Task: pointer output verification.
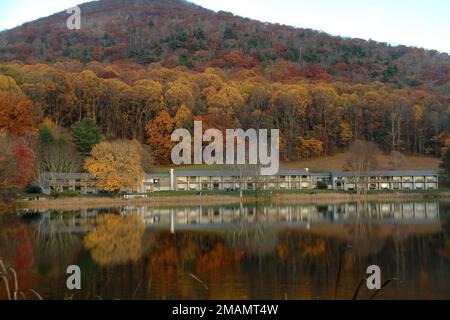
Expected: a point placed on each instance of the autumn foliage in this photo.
(17, 163)
(116, 239)
(116, 165)
(159, 136)
(170, 63)
(16, 114)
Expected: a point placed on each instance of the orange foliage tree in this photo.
(16, 114)
(159, 136)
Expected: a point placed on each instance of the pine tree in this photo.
(445, 168)
(86, 135)
(46, 135)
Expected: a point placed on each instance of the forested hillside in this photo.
(140, 68)
(174, 32)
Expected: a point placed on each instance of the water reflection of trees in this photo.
(366, 238)
(16, 248)
(16, 252)
(300, 264)
(54, 236)
(116, 239)
(296, 263)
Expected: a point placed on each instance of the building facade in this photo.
(218, 180)
(386, 180)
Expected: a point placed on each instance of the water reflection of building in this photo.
(414, 212)
(233, 217)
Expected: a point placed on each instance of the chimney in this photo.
(172, 179)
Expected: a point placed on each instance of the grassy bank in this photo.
(108, 202)
(371, 196)
(175, 198)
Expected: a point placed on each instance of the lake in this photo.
(256, 251)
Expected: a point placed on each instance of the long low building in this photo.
(228, 180)
(387, 180)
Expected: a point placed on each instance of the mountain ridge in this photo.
(180, 33)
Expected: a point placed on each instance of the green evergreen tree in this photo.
(46, 134)
(445, 168)
(85, 135)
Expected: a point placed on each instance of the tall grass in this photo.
(9, 276)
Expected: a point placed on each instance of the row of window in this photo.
(236, 179)
(393, 179)
(236, 186)
(389, 186)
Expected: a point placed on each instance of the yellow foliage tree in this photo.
(183, 118)
(345, 134)
(116, 165)
(177, 95)
(8, 84)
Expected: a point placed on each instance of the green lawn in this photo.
(271, 193)
(268, 194)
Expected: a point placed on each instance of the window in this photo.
(420, 186)
(407, 186)
(431, 186)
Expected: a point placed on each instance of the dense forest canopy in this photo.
(140, 68)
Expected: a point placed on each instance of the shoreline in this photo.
(79, 203)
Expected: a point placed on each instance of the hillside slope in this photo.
(176, 32)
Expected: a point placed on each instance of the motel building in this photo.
(224, 180)
(387, 180)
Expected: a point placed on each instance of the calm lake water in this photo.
(232, 252)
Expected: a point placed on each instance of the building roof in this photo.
(235, 173)
(66, 176)
(387, 173)
(156, 175)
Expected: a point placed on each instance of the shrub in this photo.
(33, 189)
(322, 185)
(65, 194)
